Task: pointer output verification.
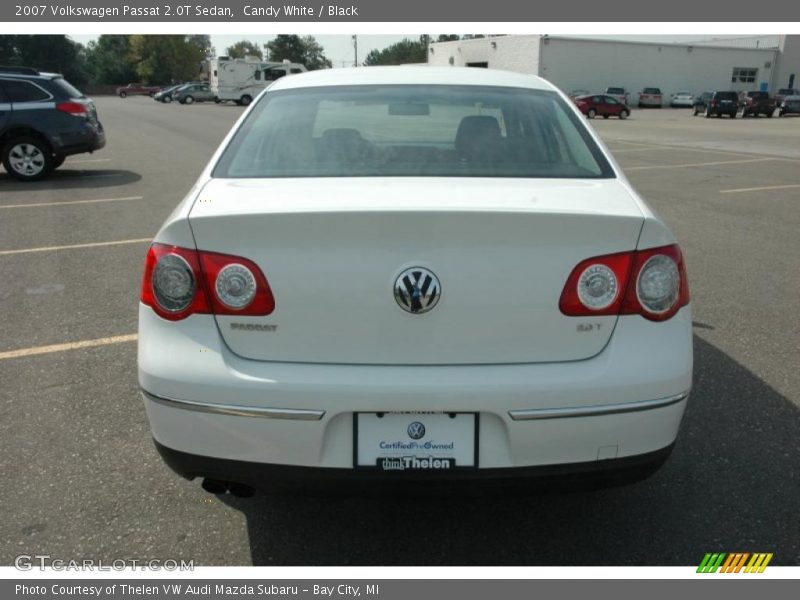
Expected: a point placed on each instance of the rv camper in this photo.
(242, 79)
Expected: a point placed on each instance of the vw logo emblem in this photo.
(417, 290)
(416, 431)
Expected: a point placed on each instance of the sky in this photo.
(339, 48)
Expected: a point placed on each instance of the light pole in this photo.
(355, 50)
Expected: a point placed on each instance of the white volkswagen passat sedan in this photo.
(413, 272)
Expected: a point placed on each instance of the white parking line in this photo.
(71, 202)
(759, 189)
(87, 160)
(648, 149)
(644, 147)
(705, 164)
(72, 246)
(117, 339)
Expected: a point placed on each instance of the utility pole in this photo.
(355, 49)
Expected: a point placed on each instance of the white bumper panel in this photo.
(187, 361)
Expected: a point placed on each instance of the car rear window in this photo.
(727, 96)
(652, 91)
(615, 90)
(758, 95)
(413, 131)
(67, 88)
(786, 91)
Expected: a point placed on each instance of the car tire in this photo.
(623, 114)
(770, 114)
(188, 100)
(708, 114)
(695, 111)
(591, 113)
(27, 158)
(245, 100)
(167, 99)
(732, 115)
(123, 95)
(605, 116)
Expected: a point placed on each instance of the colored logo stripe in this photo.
(734, 562)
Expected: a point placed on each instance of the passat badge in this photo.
(417, 290)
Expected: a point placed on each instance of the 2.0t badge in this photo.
(417, 290)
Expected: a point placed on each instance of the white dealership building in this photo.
(592, 64)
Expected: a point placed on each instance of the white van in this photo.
(242, 79)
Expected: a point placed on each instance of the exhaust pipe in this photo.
(214, 486)
(218, 488)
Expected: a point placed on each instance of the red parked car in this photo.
(601, 105)
(137, 89)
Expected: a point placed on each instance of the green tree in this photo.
(204, 43)
(160, 59)
(305, 50)
(108, 60)
(55, 53)
(242, 48)
(402, 52)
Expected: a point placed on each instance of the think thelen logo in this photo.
(734, 562)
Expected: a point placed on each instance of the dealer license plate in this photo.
(414, 441)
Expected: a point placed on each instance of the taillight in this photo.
(651, 283)
(236, 285)
(76, 109)
(179, 282)
(713, 103)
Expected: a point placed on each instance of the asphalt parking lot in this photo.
(81, 478)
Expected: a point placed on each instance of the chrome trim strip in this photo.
(594, 411)
(297, 414)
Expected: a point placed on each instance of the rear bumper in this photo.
(203, 400)
(271, 476)
(88, 138)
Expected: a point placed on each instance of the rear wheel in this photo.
(167, 99)
(245, 100)
(123, 95)
(592, 113)
(623, 114)
(605, 116)
(695, 111)
(732, 115)
(188, 100)
(27, 158)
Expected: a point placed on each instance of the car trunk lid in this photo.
(332, 250)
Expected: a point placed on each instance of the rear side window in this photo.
(64, 86)
(414, 131)
(24, 91)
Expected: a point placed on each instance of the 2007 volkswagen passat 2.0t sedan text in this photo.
(413, 272)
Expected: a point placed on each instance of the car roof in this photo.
(412, 75)
(30, 76)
